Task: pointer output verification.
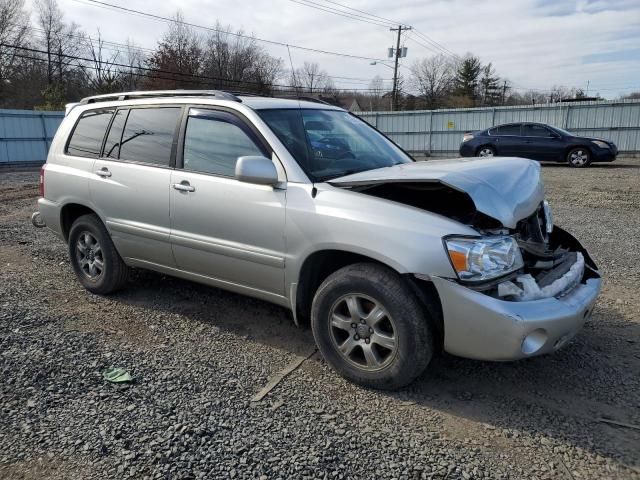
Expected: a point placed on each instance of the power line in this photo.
(154, 16)
(155, 70)
(334, 11)
(123, 49)
(375, 19)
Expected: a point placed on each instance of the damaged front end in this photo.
(554, 262)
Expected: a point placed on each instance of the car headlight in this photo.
(483, 258)
(466, 137)
(600, 143)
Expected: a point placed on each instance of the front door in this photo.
(227, 230)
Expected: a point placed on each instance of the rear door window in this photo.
(513, 129)
(535, 131)
(87, 136)
(149, 135)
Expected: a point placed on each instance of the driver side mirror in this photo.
(255, 169)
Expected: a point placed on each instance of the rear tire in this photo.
(486, 151)
(94, 257)
(579, 157)
(392, 341)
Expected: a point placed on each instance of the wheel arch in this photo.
(69, 213)
(318, 265)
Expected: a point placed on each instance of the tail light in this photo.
(42, 181)
(466, 137)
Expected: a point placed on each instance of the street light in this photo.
(380, 63)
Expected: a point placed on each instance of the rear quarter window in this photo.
(86, 138)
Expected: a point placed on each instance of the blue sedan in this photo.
(537, 141)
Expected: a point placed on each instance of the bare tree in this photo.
(233, 60)
(178, 58)
(102, 75)
(14, 30)
(309, 77)
(132, 76)
(60, 41)
(433, 78)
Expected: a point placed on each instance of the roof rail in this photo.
(306, 99)
(159, 93)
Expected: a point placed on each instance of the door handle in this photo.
(104, 172)
(184, 187)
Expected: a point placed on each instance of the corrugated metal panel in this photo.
(441, 130)
(25, 135)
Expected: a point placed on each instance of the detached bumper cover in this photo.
(485, 328)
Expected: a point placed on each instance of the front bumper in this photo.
(604, 154)
(466, 150)
(483, 327)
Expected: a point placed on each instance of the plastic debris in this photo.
(530, 290)
(116, 375)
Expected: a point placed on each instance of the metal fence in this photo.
(440, 131)
(25, 135)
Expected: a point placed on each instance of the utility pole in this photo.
(504, 92)
(394, 96)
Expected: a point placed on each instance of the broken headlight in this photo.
(483, 258)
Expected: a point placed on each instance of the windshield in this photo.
(330, 143)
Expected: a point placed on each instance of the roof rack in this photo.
(306, 99)
(159, 93)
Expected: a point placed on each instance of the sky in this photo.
(535, 44)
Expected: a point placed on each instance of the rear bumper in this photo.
(50, 215)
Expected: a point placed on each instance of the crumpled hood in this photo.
(505, 188)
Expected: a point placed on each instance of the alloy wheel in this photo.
(89, 255)
(485, 152)
(363, 332)
(579, 158)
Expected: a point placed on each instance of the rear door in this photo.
(226, 230)
(541, 143)
(131, 181)
(509, 142)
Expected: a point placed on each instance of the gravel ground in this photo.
(199, 354)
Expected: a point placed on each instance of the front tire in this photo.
(486, 151)
(579, 157)
(94, 257)
(371, 328)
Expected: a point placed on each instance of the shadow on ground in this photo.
(591, 378)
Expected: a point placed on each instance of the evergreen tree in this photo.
(467, 78)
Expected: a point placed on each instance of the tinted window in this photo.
(86, 139)
(509, 129)
(112, 145)
(212, 145)
(148, 135)
(535, 131)
(329, 143)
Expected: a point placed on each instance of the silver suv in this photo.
(305, 205)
